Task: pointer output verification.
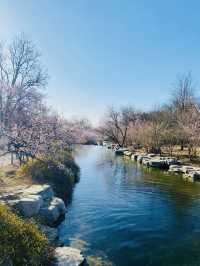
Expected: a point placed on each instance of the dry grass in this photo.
(9, 181)
(183, 155)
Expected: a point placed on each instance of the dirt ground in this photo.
(9, 181)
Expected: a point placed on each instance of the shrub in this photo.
(60, 172)
(21, 241)
(68, 161)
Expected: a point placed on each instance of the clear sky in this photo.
(108, 52)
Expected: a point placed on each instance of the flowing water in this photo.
(124, 214)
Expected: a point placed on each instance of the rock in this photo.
(192, 175)
(45, 191)
(157, 163)
(53, 212)
(28, 206)
(59, 203)
(146, 162)
(13, 194)
(67, 256)
(128, 153)
(186, 169)
(134, 157)
(176, 168)
(151, 155)
(38, 201)
(140, 158)
(171, 160)
(50, 233)
(120, 151)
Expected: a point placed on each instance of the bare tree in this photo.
(183, 102)
(21, 76)
(116, 124)
(20, 65)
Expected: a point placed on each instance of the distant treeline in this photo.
(175, 123)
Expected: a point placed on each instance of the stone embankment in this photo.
(40, 203)
(171, 164)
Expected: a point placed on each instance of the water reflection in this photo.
(126, 214)
(128, 172)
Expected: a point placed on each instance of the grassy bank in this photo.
(21, 241)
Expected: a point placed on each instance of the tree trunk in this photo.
(11, 159)
(182, 146)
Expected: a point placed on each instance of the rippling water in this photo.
(124, 214)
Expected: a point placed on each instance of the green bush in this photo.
(61, 172)
(21, 241)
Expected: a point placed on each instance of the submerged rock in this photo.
(67, 256)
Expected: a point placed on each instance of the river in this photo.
(124, 214)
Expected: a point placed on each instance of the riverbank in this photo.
(129, 214)
(190, 171)
(35, 198)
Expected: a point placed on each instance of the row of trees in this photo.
(176, 123)
(29, 128)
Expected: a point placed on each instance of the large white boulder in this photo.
(28, 206)
(171, 160)
(45, 191)
(176, 168)
(146, 162)
(128, 153)
(59, 203)
(134, 157)
(52, 213)
(187, 169)
(67, 256)
(157, 163)
(39, 201)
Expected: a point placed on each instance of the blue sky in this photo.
(108, 52)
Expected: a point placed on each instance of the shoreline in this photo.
(38, 202)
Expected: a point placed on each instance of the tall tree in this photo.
(183, 102)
